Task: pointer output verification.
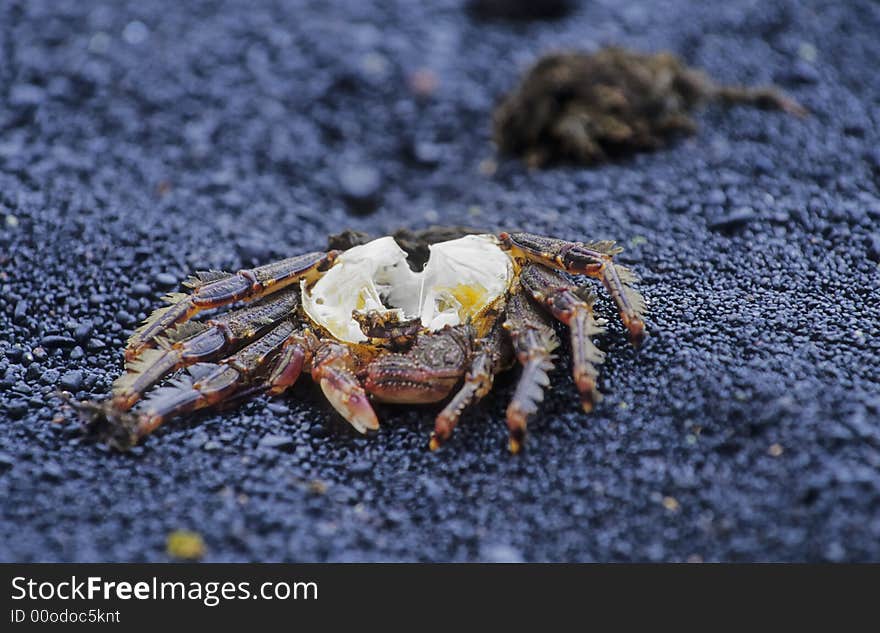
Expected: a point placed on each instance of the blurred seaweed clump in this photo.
(589, 108)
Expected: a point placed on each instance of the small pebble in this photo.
(72, 380)
(360, 467)
(22, 387)
(166, 280)
(716, 196)
(19, 315)
(280, 442)
(141, 290)
(54, 341)
(83, 330)
(50, 376)
(278, 408)
(735, 219)
(135, 32)
(26, 95)
(52, 472)
(360, 186)
(427, 153)
(318, 430)
(16, 409)
(125, 318)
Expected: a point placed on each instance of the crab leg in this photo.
(492, 355)
(593, 259)
(533, 343)
(292, 360)
(194, 342)
(295, 357)
(209, 385)
(334, 368)
(213, 289)
(557, 294)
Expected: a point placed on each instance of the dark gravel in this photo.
(141, 140)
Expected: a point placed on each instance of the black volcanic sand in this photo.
(142, 140)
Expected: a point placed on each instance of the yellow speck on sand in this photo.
(185, 545)
(318, 487)
(775, 450)
(670, 503)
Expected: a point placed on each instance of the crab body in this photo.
(368, 327)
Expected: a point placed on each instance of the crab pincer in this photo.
(334, 368)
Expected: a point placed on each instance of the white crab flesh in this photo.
(461, 278)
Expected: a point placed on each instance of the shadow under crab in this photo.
(417, 318)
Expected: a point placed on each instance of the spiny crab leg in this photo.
(194, 342)
(215, 383)
(557, 294)
(492, 354)
(213, 289)
(295, 357)
(335, 368)
(593, 259)
(533, 343)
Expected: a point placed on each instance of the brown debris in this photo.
(589, 108)
(347, 239)
(416, 243)
(520, 10)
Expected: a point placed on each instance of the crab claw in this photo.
(333, 371)
(349, 399)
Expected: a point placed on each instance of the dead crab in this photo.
(366, 325)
